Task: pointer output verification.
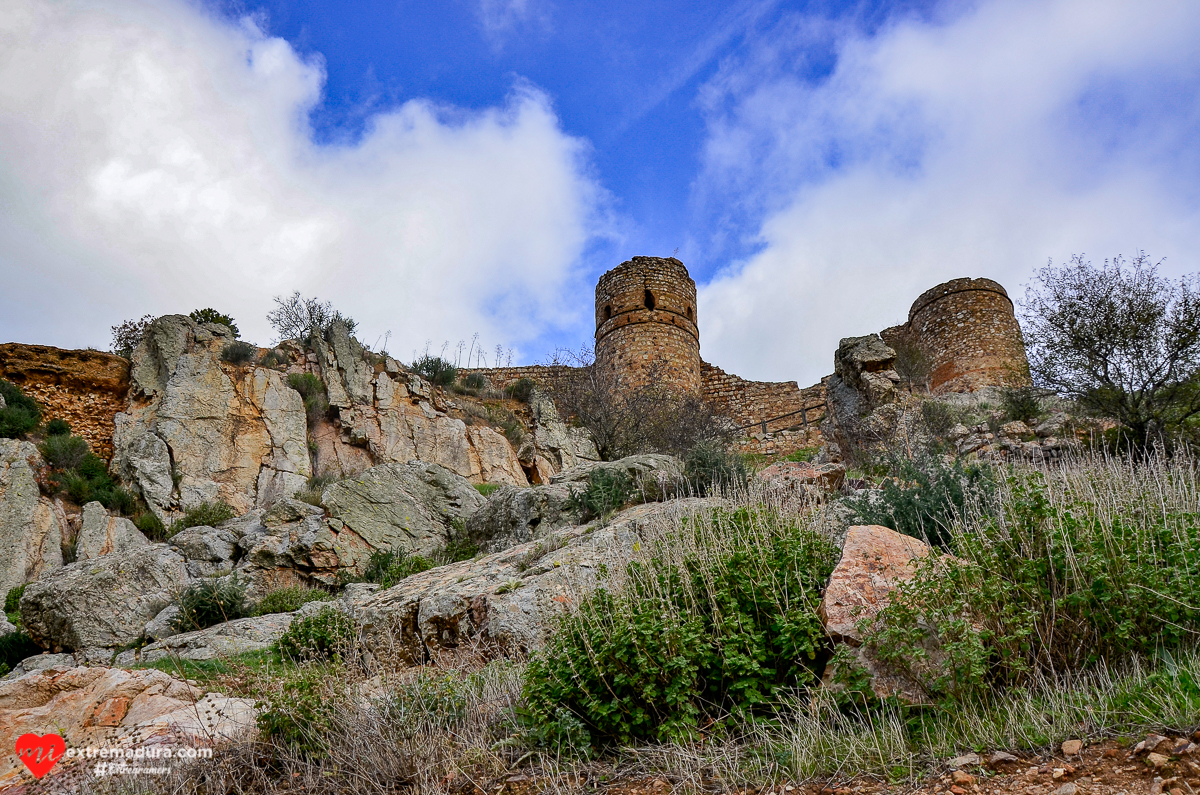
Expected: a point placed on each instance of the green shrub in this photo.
(213, 316)
(923, 497)
(1065, 576)
(436, 370)
(58, 427)
(16, 646)
(521, 389)
(287, 600)
(487, 489)
(151, 526)
(272, 358)
(238, 352)
(607, 490)
(206, 514)
(21, 413)
(320, 636)
(718, 637)
(208, 603)
(388, 567)
(12, 601)
(300, 713)
(939, 417)
(803, 455)
(514, 429)
(459, 545)
(64, 452)
(312, 390)
(709, 466)
(473, 382)
(1021, 403)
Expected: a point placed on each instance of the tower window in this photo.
(689, 315)
(649, 300)
(607, 313)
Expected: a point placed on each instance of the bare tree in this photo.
(128, 335)
(297, 317)
(1119, 339)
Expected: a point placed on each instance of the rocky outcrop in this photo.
(291, 543)
(104, 602)
(793, 475)
(864, 408)
(506, 602)
(514, 516)
(211, 430)
(875, 560)
(656, 466)
(31, 526)
(101, 534)
(209, 551)
(383, 414)
(222, 641)
(552, 445)
(408, 507)
(115, 709)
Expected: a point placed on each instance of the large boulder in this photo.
(212, 431)
(209, 551)
(552, 445)
(410, 507)
(875, 561)
(221, 641)
(658, 466)
(142, 711)
(101, 534)
(515, 515)
(292, 543)
(31, 527)
(103, 602)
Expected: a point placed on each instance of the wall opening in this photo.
(690, 316)
(607, 314)
(649, 300)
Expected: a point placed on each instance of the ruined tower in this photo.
(967, 329)
(646, 330)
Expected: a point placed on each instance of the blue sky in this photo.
(441, 170)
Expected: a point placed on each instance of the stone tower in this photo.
(646, 328)
(968, 330)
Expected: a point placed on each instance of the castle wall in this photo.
(751, 403)
(500, 377)
(646, 332)
(970, 333)
(85, 388)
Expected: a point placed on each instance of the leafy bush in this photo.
(272, 358)
(12, 601)
(1067, 574)
(16, 646)
(21, 413)
(521, 389)
(323, 635)
(58, 427)
(64, 452)
(128, 335)
(473, 382)
(208, 603)
(286, 600)
(206, 514)
(607, 490)
(720, 635)
(939, 417)
(923, 497)
(213, 316)
(238, 352)
(299, 714)
(1021, 403)
(312, 390)
(151, 526)
(388, 567)
(709, 466)
(435, 369)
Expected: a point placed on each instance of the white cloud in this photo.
(157, 159)
(978, 145)
(502, 19)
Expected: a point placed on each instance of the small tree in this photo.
(128, 335)
(297, 317)
(1119, 339)
(213, 316)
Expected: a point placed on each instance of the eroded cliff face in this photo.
(198, 430)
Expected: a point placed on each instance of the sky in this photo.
(464, 170)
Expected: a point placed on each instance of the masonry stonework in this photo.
(646, 330)
(969, 333)
(85, 388)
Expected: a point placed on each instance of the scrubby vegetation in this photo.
(128, 335)
(606, 491)
(206, 514)
(238, 352)
(388, 567)
(286, 600)
(323, 635)
(312, 390)
(82, 475)
(298, 318)
(213, 316)
(21, 413)
(435, 369)
(210, 602)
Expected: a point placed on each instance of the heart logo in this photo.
(40, 752)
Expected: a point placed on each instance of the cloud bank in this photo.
(980, 143)
(158, 159)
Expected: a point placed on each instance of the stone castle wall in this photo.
(781, 405)
(646, 330)
(969, 332)
(85, 388)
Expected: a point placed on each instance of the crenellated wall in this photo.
(85, 388)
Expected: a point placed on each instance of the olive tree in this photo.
(1118, 338)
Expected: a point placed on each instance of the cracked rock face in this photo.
(31, 526)
(198, 430)
(102, 534)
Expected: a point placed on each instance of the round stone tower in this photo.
(646, 332)
(968, 330)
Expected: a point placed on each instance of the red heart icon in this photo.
(40, 753)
